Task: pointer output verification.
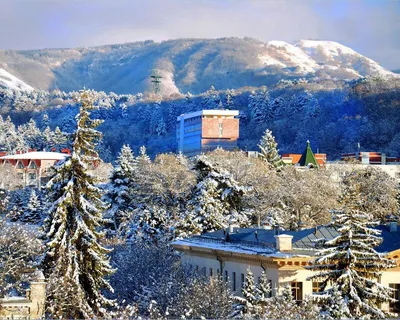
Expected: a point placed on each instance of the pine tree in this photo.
(351, 262)
(216, 202)
(121, 182)
(269, 151)
(33, 210)
(249, 294)
(264, 289)
(259, 105)
(60, 139)
(17, 206)
(45, 122)
(75, 262)
(143, 158)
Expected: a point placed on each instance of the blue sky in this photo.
(371, 27)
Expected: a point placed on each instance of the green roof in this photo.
(308, 157)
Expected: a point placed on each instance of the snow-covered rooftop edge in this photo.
(37, 155)
(237, 248)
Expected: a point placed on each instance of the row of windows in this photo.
(297, 287)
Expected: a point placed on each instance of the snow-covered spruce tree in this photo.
(269, 151)
(121, 181)
(263, 290)
(216, 202)
(143, 158)
(249, 301)
(33, 210)
(75, 262)
(351, 262)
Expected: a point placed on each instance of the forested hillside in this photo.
(334, 117)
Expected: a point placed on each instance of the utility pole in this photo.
(156, 81)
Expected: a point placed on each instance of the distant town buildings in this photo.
(206, 130)
(307, 158)
(33, 168)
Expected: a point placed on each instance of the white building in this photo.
(282, 256)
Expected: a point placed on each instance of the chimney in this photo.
(383, 158)
(393, 226)
(283, 242)
(230, 228)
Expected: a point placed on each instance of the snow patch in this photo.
(7, 80)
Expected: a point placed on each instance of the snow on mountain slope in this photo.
(186, 65)
(7, 80)
(327, 58)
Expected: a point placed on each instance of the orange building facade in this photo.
(206, 130)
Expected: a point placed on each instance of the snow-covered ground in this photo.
(7, 80)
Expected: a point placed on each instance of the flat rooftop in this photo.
(226, 113)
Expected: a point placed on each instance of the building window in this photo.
(316, 287)
(234, 281)
(218, 273)
(242, 280)
(211, 272)
(297, 291)
(32, 165)
(220, 129)
(226, 276)
(20, 165)
(21, 175)
(32, 176)
(395, 306)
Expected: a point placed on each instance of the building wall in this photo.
(203, 133)
(280, 276)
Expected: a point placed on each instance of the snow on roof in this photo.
(235, 248)
(36, 155)
(228, 113)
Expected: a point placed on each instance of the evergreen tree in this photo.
(48, 139)
(216, 202)
(269, 151)
(351, 262)
(264, 289)
(143, 158)
(121, 182)
(33, 210)
(60, 139)
(17, 206)
(258, 105)
(75, 262)
(211, 99)
(31, 135)
(45, 122)
(249, 293)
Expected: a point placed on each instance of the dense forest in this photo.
(334, 116)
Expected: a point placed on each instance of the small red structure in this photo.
(370, 158)
(294, 158)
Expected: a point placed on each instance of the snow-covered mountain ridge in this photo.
(7, 80)
(188, 64)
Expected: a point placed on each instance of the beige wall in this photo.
(280, 276)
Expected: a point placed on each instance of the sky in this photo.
(371, 27)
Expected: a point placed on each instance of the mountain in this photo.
(188, 65)
(7, 80)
